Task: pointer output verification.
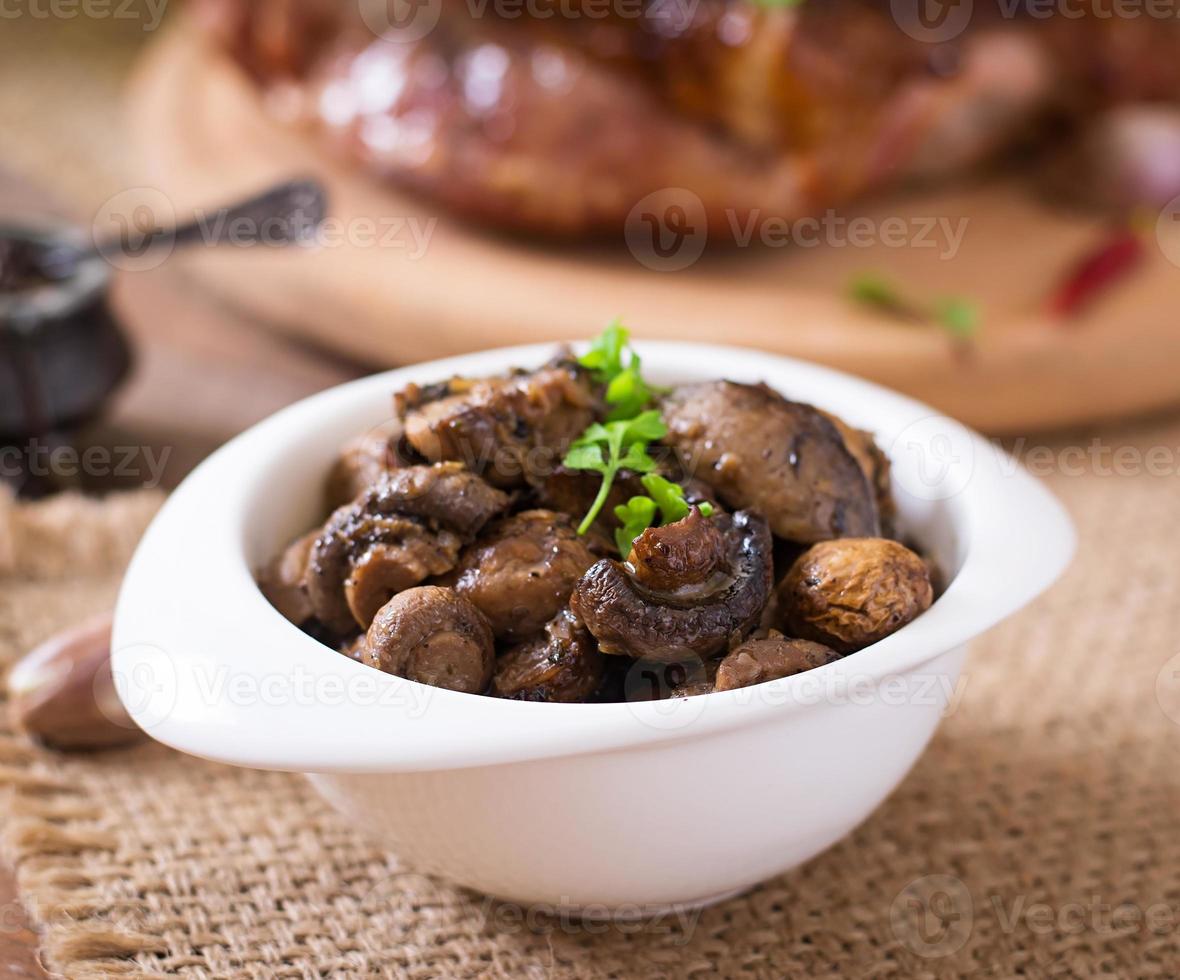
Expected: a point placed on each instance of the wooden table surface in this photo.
(202, 374)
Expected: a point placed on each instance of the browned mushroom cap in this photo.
(408, 526)
(783, 459)
(284, 580)
(363, 460)
(512, 429)
(698, 619)
(853, 592)
(768, 659)
(521, 572)
(433, 636)
(875, 466)
(562, 664)
(688, 552)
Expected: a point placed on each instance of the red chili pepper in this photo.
(1096, 272)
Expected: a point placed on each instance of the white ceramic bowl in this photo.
(620, 806)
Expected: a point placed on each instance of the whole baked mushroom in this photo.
(431, 635)
(563, 664)
(768, 659)
(658, 606)
(409, 526)
(784, 459)
(521, 572)
(853, 592)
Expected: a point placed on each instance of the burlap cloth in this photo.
(1039, 830)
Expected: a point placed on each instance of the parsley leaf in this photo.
(635, 517)
(608, 448)
(626, 391)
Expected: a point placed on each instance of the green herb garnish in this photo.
(613, 363)
(613, 446)
(621, 442)
(635, 517)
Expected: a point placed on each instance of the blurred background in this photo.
(973, 203)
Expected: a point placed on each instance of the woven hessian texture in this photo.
(1039, 832)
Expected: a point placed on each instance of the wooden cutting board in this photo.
(202, 137)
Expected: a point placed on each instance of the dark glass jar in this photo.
(62, 353)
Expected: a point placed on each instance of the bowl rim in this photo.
(181, 624)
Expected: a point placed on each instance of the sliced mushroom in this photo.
(697, 619)
(562, 664)
(784, 459)
(853, 592)
(431, 635)
(408, 526)
(284, 580)
(770, 658)
(403, 553)
(521, 572)
(514, 430)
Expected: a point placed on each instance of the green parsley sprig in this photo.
(613, 446)
(612, 363)
(621, 442)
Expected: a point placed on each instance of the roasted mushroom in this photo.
(714, 605)
(853, 592)
(514, 430)
(521, 572)
(784, 459)
(431, 635)
(364, 460)
(770, 658)
(284, 580)
(875, 466)
(562, 664)
(410, 525)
